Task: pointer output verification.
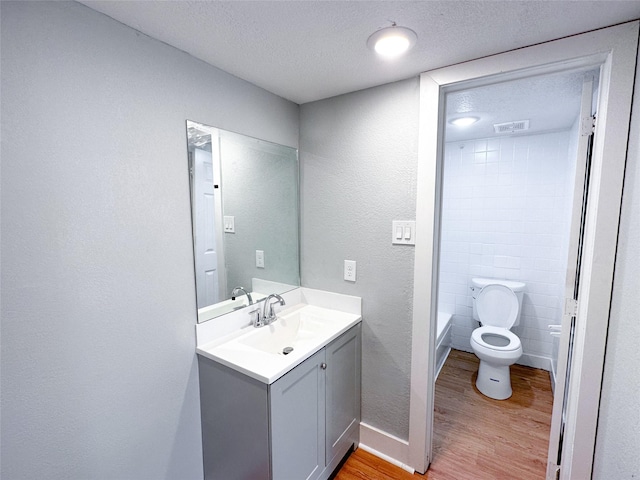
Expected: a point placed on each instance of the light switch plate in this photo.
(229, 224)
(403, 232)
(260, 258)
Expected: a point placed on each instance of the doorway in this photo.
(511, 160)
(614, 50)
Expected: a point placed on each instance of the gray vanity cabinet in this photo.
(297, 421)
(299, 427)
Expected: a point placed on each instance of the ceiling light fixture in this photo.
(463, 121)
(393, 41)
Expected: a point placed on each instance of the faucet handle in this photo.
(257, 320)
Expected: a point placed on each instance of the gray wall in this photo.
(98, 305)
(99, 378)
(358, 156)
(618, 435)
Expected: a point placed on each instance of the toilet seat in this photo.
(513, 340)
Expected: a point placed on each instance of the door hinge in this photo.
(588, 126)
(570, 307)
(553, 471)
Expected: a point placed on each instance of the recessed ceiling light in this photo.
(393, 41)
(464, 121)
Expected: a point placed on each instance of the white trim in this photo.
(527, 359)
(617, 47)
(387, 458)
(600, 242)
(570, 304)
(375, 441)
(535, 361)
(424, 327)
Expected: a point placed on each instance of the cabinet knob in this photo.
(323, 366)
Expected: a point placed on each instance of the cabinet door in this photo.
(343, 393)
(297, 421)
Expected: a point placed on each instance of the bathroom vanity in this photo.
(270, 415)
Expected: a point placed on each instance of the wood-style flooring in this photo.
(476, 437)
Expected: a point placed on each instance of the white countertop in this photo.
(257, 352)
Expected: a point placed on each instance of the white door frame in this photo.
(615, 48)
(564, 352)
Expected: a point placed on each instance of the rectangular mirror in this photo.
(244, 213)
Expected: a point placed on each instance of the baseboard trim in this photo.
(385, 446)
(553, 376)
(527, 359)
(535, 361)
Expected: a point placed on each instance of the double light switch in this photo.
(403, 232)
(229, 224)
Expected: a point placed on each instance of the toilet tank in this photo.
(518, 288)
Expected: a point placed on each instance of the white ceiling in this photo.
(550, 102)
(310, 50)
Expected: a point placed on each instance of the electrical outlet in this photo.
(350, 270)
(260, 258)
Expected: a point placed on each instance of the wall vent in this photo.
(511, 127)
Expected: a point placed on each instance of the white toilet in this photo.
(496, 305)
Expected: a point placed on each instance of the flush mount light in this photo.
(393, 41)
(463, 121)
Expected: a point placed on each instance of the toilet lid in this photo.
(497, 306)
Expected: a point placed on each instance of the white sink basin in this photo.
(274, 338)
(259, 352)
(288, 331)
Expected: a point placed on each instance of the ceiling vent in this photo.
(511, 127)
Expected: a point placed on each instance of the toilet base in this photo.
(494, 381)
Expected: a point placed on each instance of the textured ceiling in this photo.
(549, 102)
(309, 50)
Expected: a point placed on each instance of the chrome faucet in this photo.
(268, 315)
(241, 289)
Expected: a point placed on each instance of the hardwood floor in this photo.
(362, 465)
(476, 437)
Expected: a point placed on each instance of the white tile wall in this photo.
(506, 207)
